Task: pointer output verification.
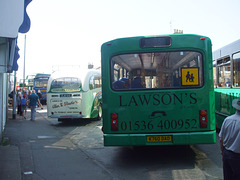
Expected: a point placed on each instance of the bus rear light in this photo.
(202, 38)
(52, 113)
(80, 112)
(203, 118)
(114, 122)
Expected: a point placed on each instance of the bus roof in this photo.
(39, 75)
(130, 44)
(227, 50)
(82, 75)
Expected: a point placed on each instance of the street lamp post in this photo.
(24, 61)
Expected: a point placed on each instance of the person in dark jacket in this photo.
(19, 97)
(39, 95)
(33, 102)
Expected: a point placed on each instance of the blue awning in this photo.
(16, 57)
(24, 28)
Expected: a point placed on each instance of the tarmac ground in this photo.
(35, 150)
(9, 153)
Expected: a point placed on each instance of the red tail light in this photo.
(203, 118)
(114, 122)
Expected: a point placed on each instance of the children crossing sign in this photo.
(190, 77)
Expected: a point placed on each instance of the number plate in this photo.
(159, 138)
(65, 95)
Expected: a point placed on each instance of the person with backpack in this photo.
(24, 106)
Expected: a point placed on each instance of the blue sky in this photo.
(71, 32)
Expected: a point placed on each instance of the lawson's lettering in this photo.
(158, 99)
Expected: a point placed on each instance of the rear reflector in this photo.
(114, 122)
(203, 118)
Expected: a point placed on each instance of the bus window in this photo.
(66, 84)
(156, 70)
(41, 84)
(236, 69)
(224, 72)
(95, 82)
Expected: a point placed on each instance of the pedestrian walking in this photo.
(33, 102)
(39, 95)
(19, 97)
(28, 94)
(24, 106)
(230, 144)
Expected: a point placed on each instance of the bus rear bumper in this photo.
(66, 116)
(208, 137)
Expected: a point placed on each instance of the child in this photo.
(24, 106)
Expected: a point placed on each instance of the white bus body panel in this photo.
(79, 105)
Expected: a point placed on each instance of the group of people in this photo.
(31, 100)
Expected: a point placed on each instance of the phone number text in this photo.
(160, 125)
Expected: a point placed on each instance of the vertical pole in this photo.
(14, 97)
(24, 61)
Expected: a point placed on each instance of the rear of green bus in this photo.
(158, 91)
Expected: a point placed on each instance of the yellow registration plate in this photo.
(159, 138)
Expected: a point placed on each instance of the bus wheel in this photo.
(99, 112)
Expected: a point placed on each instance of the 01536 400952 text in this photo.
(180, 124)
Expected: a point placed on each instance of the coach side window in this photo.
(95, 82)
(224, 72)
(236, 70)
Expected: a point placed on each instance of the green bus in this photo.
(226, 68)
(158, 90)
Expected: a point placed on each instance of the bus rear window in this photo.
(68, 84)
(158, 70)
